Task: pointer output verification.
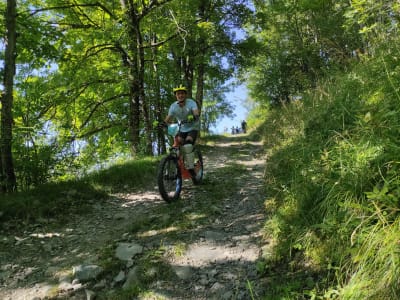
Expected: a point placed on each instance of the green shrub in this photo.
(332, 172)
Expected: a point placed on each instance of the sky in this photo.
(237, 97)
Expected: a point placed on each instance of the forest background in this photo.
(84, 82)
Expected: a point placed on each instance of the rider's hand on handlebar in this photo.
(190, 118)
(160, 125)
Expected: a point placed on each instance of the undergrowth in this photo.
(59, 199)
(333, 184)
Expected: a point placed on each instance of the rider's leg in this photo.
(191, 137)
(188, 149)
(180, 139)
(188, 154)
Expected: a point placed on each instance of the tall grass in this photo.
(332, 173)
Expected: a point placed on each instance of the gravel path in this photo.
(213, 257)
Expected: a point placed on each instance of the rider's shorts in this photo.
(192, 133)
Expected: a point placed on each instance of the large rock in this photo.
(183, 272)
(132, 278)
(126, 251)
(85, 273)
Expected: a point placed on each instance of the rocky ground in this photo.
(206, 246)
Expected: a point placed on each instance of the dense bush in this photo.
(332, 175)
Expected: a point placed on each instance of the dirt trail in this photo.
(214, 256)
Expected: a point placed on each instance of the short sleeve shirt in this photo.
(182, 113)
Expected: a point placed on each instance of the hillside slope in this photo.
(205, 246)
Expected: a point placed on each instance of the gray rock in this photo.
(66, 286)
(90, 295)
(183, 272)
(227, 295)
(129, 264)
(217, 288)
(85, 273)
(120, 277)
(212, 273)
(132, 278)
(125, 251)
(203, 281)
(100, 285)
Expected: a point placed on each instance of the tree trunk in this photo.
(8, 179)
(200, 86)
(134, 14)
(132, 20)
(145, 105)
(2, 178)
(134, 103)
(134, 114)
(159, 111)
(188, 69)
(204, 5)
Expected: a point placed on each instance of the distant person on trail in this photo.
(185, 110)
(244, 126)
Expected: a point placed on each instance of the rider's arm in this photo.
(193, 115)
(168, 119)
(196, 113)
(195, 109)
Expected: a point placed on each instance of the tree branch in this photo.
(154, 3)
(97, 105)
(161, 42)
(99, 48)
(96, 4)
(97, 129)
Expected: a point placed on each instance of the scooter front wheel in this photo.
(169, 179)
